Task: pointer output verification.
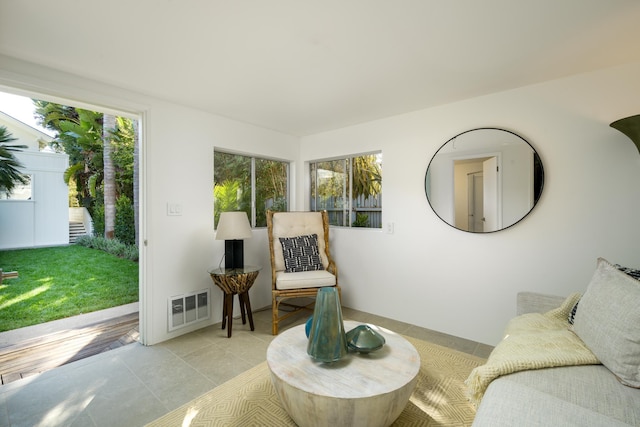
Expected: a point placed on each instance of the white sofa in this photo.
(586, 395)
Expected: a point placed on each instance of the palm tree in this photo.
(103, 159)
(9, 172)
(79, 135)
(367, 176)
(109, 179)
(136, 185)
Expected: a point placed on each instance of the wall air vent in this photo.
(189, 308)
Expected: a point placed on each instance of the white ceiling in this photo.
(306, 66)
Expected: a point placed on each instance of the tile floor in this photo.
(133, 385)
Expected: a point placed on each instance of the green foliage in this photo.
(124, 226)
(98, 219)
(92, 183)
(362, 220)
(49, 115)
(225, 198)
(367, 176)
(9, 165)
(332, 184)
(80, 136)
(122, 155)
(71, 172)
(232, 184)
(111, 246)
(271, 188)
(58, 282)
(125, 222)
(79, 133)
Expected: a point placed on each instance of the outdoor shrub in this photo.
(124, 227)
(131, 252)
(84, 240)
(98, 220)
(362, 220)
(125, 230)
(112, 246)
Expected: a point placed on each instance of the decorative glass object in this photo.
(307, 326)
(327, 338)
(364, 339)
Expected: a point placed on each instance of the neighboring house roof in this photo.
(25, 134)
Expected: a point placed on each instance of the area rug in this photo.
(249, 399)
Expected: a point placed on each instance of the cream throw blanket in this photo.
(532, 341)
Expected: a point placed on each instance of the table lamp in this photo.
(232, 228)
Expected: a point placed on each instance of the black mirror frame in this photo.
(538, 178)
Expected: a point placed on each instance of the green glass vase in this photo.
(327, 338)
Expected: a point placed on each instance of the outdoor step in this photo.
(76, 229)
(39, 354)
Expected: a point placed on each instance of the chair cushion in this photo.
(292, 224)
(301, 253)
(304, 279)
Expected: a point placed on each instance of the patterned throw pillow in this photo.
(633, 272)
(301, 253)
(572, 315)
(629, 271)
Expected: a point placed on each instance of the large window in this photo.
(20, 191)
(249, 184)
(350, 189)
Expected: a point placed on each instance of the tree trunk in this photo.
(108, 125)
(136, 179)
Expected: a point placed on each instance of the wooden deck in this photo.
(36, 355)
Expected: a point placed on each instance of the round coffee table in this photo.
(360, 389)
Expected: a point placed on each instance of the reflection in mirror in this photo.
(484, 180)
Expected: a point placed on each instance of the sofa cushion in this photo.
(567, 396)
(608, 321)
(304, 279)
(301, 253)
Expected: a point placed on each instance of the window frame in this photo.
(253, 178)
(348, 209)
(6, 195)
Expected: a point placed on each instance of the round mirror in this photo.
(484, 180)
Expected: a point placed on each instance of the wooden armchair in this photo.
(308, 276)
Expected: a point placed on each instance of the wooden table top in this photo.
(354, 376)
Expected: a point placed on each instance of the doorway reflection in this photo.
(484, 180)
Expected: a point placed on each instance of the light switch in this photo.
(174, 209)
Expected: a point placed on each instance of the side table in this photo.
(235, 281)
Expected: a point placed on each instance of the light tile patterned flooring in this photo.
(133, 385)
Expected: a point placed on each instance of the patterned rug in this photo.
(249, 399)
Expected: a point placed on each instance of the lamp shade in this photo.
(630, 126)
(233, 226)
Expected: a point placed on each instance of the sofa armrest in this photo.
(533, 302)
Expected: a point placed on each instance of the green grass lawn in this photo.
(58, 282)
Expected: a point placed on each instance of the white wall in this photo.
(176, 167)
(426, 272)
(43, 220)
(465, 284)
(179, 146)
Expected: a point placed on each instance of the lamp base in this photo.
(233, 254)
